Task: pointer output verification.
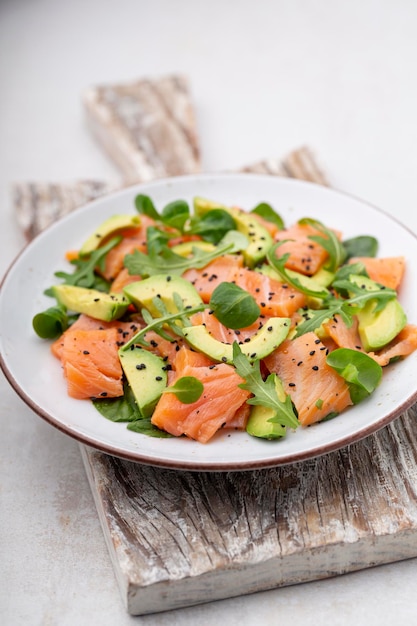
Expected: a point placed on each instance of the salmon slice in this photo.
(343, 336)
(315, 388)
(221, 332)
(221, 270)
(404, 344)
(219, 406)
(274, 298)
(133, 239)
(123, 279)
(164, 348)
(305, 255)
(91, 364)
(388, 271)
(125, 330)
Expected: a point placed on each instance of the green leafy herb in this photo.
(360, 371)
(187, 389)
(329, 242)
(267, 212)
(156, 241)
(213, 225)
(278, 263)
(85, 273)
(145, 206)
(364, 245)
(233, 306)
(123, 409)
(145, 427)
(166, 319)
(176, 214)
(264, 392)
(346, 308)
(51, 323)
(361, 296)
(168, 262)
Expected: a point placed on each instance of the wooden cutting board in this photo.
(178, 539)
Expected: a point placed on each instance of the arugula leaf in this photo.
(168, 262)
(156, 241)
(264, 392)
(329, 242)
(233, 306)
(346, 308)
(187, 389)
(381, 295)
(85, 273)
(167, 319)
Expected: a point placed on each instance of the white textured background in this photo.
(267, 76)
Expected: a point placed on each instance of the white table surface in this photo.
(266, 77)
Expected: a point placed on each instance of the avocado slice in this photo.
(101, 306)
(258, 424)
(185, 249)
(162, 286)
(246, 223)
(377, 329)
(147, 376)
(108, 228)
(262, 343)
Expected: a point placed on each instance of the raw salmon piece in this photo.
(123, 279)
(343, 336)
(221, 332)
(306, 256)
(315, 388)
(220, 270)
(162, 347)
(388, 271)
(91, 364)
(216, 407)
(404, 344)
(274, 298)
(133, 239)
(125, 330)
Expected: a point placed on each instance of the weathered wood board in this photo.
(147, 127)
(183, 538)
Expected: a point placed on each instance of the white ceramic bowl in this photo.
(37, 377)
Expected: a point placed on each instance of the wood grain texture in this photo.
(147, 127)
(300, 163)
(182, 538)
(40, 204)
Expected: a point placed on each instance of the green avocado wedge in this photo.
(97, 304)
(107, 229)
(146, 374)
(262, 343)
